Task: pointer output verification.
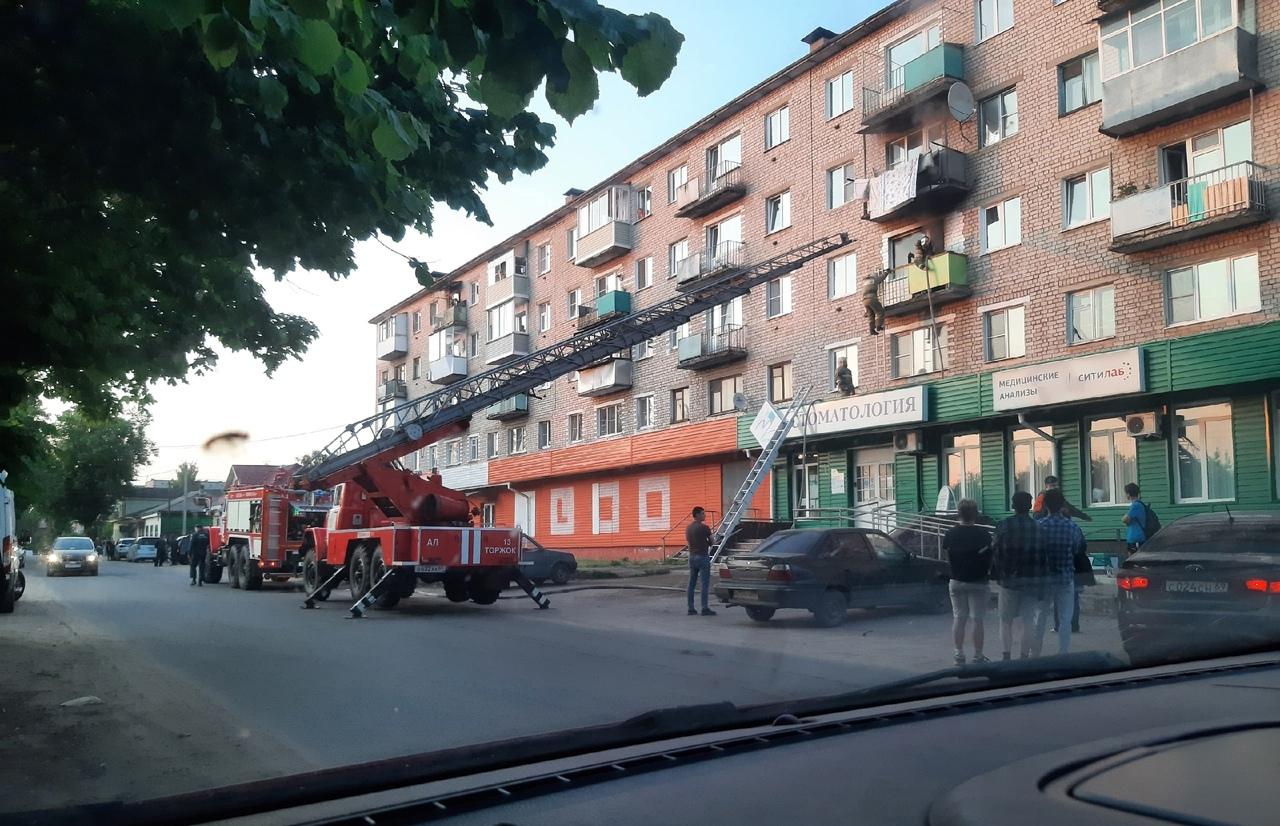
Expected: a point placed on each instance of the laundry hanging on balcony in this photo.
(893, 188)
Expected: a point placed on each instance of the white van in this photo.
(10, 554)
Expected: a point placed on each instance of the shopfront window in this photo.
(1206, 453)
(964, 467)
(1033, 459)
(1113, 461)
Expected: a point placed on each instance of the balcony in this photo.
(610, 305)
(604, 244)
(914, 90)
(394, 342)
(392, 390)
(505, 348)
(696, 198)
(1223, 199)
(610, 377)
(447, 369)
(722, 345)
(515, 407)
(911, 289)
(941, 180)
(1203, 76)
(455, 315)
(512, 287)
(727, 256)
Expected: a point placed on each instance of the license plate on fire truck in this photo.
(428, 569)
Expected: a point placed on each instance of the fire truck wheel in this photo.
(390, 597)
(358, 573)
(232, 555)
(250, 573)
(455, 588)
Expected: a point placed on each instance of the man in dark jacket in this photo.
(698, 537)
(199, 550)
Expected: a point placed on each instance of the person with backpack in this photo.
(1140, 521)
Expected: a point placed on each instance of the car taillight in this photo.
(1133, 583)
(780, 573)
(725, 573)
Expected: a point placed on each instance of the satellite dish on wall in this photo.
(740, 402)
(960, 101)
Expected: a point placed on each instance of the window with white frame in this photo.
(574, 302)
(1086, 197)
(544, 316)
(847, 352)
(838, 189)
(676, 178)
(544, 258)
(644, 201)
(778, 297)
(544, 434)
(720, 393)
(609, 420)
(644, 412)
(1213, 289)
(676, 253)
(777, 127)
(644, 273)
(1113, 461)
(1005, 333)
(917, 352)
(781, 382)
(491, 445)
(994, 16)
(839, 95)
(998, 117)
(473, 448)
(963, 457)
(1079, 83)
(515, 440)
(1001, 224)
(679, 405)
(777, 212)
(642, 350)
(842, 276)
(1033, 459)
(1206, 453)
(1091, 314)
(1156, 29)
(574, 427)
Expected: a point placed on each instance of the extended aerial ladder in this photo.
(372, 490)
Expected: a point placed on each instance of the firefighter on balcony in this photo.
(871, 301)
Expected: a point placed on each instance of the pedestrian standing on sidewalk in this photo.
(968, 549)
(1135, 519)
(698, 537)
(1018, 565)
(1062, 539)
(199, 550)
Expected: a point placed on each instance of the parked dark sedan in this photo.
(72, 555)
(1209, 582)
(556, 566)
(829, 571)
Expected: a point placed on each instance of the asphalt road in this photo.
(207, 686)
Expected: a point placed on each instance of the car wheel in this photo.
(831, 610)
(760, 613)
(560, 573)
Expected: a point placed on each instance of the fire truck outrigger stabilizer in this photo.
(390, 528)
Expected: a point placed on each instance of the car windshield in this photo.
(827, 344)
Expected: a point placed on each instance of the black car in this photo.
(829, 571)
(556, 566)
(1208, 582)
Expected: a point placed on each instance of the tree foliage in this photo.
(156, 151)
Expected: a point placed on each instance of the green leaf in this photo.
(391, 140)
(648, 63)
(274, 96)
(351, 73)
(579, 93)
(317, 46)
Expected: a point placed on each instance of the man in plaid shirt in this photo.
(1018, 565)
(1061, 539)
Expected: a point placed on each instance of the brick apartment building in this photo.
(1103, 263)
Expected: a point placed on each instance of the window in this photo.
(1206, 455)
(1005, 333)
(571, 243)
(1078, 83)
(473, 448)
(574, 428)
(544, 316)
(998, 117)
(1153, 31)
(842, 278)
(515, 440)
(1113, 461)
(644, 202)
(911, 145)
(918, 352)
(963, 455)
(491, 445)
(848, 352)
(778, 297)
(544, 258)
(417, 368)
(644, 412)
(1086, 197)
(609, 420)
(673, 337)
(1091, 314)
(1033, 459)
(838, 185)
(1001, 224)
(720, 393)
(1213, 289)
(839, 95)
(489, 514)
(994, 16)
(777, 212)
(676, 178)
(680, 405)
(644, 273)
(575, 300)
(777, 127)
(676, 253)
(781, 385)
(544, 434)
(417, 321)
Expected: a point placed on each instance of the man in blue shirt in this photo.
(1061, 539)
(1135, 519)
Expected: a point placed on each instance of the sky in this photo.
(730, 45)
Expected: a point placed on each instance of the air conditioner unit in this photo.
(1142, 424)
(908, 441)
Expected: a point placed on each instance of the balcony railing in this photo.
(604, 244)
(513, 408)
(941, 179)
(447, 369)
(924, 80)
(393, 389)
(721, 187)
(910, 289)
(610, 305)
(455, 315)
(1210, 202)
(714, 260)
(505, 348)
(720, 345)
